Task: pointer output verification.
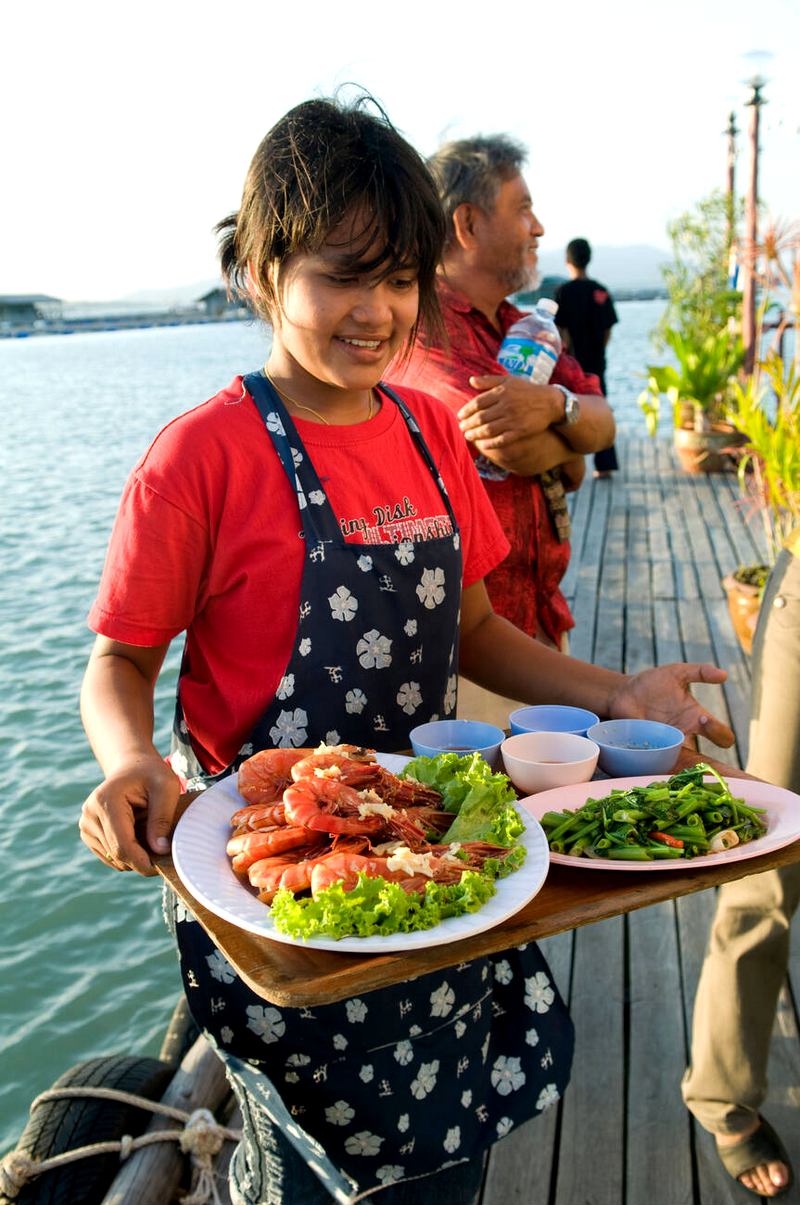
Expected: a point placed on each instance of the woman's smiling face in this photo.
(340, 326)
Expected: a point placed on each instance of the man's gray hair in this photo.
(471, 170)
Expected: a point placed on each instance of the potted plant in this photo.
(766, 410)
(698, 387)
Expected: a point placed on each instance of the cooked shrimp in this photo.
(248, 847)
(265, 875)
(295, 876)
(264, 776)
(476, 853)
(259, 815)
(345, 869)
(328, 806)
(260, 869)
(405, 792)
(343, 767)
(412, 825)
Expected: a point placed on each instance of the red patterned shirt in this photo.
(525, 587)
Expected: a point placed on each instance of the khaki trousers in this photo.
(748, 952)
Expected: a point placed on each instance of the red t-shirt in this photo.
(207, 540)
(525, 587)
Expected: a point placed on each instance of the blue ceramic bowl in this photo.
(552, 719)
(629, 748)
(457, 736)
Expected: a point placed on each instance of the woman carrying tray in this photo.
(322, 539)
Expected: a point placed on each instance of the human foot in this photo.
(756, 1157)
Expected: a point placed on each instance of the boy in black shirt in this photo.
(585, 317)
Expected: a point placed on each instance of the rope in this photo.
(201, 1138)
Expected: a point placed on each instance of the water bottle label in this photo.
(524, 357)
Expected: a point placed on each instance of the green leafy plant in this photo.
(699, 383)
(766, 410)
(700, 298)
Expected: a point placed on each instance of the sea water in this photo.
(88, 968)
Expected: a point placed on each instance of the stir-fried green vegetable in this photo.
(682, 817)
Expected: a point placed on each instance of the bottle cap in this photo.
(548, 305)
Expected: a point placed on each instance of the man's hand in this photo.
(145, 789)
(507, 409)
(663, 694)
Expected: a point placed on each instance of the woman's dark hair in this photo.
(323, 162)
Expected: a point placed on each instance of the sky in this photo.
(127, 128)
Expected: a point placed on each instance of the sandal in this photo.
(762, 1146)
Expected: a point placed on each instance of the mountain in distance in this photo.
(637, 266)
(620, 268)
(176, 296)
(630, 267)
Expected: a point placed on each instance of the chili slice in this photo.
(667, 839)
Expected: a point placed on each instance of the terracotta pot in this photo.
(706, 451)
(744, 602)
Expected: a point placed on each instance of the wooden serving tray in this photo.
(294, 976)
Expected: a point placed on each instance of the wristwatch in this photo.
(572, 407)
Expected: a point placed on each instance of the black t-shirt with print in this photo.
(586, 310)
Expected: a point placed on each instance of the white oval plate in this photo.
(198, 852)
(783, 821)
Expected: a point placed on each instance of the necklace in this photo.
(301, 406)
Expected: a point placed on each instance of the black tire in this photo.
(56, 1126)
(181, 1035)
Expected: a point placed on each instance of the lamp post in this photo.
(730, 192)
(756, 100)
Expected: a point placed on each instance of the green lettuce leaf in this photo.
(376, 906)
(482, 800)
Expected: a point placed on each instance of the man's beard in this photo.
(520, 278)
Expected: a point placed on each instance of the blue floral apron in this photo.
(344, 1099)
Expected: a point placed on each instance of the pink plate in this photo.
(782, 815)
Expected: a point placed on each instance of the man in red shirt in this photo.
(529, 440)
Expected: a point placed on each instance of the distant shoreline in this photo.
(143, 321)
(120, 322)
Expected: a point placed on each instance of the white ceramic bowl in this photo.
(539, 761)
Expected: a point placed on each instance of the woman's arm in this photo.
(501, 658)
(117, 713)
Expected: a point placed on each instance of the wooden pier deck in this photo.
(650, 546)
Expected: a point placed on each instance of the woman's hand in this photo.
(663, 694)
(146, 789)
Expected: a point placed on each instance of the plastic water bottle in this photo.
(532, 345)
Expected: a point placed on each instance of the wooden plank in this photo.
(658, 1156)
(584, 607)
(694, 914)
(686, 582)
(698, 647)
(728, 654)
(742, 526)
(722, 538)
(667, 632)
(700, 546)
(591, 1168)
